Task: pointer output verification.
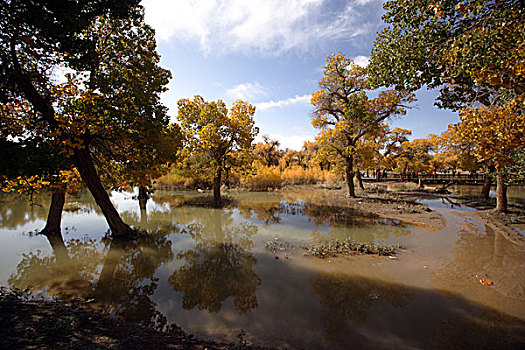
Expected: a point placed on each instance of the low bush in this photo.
(263, 179)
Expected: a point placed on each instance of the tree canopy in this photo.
(212, 135)
(344, 114)
(108, 112)
(473, 52)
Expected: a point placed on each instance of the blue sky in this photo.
(270, 52)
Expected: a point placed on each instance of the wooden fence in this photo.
(437, 178)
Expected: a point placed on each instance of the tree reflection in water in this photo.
(126, 282)
(219, 266)
(346, 301)
(20, 210)
(124, 285)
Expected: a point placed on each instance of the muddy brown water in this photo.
(208, 271)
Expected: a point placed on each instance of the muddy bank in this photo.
(505, 224)
(377, 202)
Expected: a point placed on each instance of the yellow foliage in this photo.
(493, 131)
(297, 175)
(264, 178)
(174, 179)
(67, 180)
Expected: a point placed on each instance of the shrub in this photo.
(297, 175)
(263, 179)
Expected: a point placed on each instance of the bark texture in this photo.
(501, 194)
(54, 216)
(485, 191)
(349, 170)
(217, 186)
(359, 180)
(143, 198)
(84, 163)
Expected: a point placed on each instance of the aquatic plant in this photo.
(277, 245)
(348, 246)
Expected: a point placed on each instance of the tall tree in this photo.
(212, 134)
(36, 37)
(471, 50)
(495, 133)
(109, 109)
(344, 114)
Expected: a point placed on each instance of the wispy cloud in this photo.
(246, 91)
(267, 26)
(303, 99)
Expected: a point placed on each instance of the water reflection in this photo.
(482, 253)
(219, 266)
(347, 300)
(266, 212)
(126, 282)
(342, 221)
(124, 285)
(20, 210)
(66, 274)
(206, 270)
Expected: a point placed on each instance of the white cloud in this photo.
(303, 99)
(269, 26)
(362, 61)
(292, 141)
(246, 91)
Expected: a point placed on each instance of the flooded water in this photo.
(208, 271)
(515, 193)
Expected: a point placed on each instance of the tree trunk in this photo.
(82, 157)
(59, 248)
(86, 168)
(143, 197)
(359, 180)
(501, 194)
(54, 216)
(217, 186)
(485, 191)
(350, 177)
(420, 183)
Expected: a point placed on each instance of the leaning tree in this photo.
(108, 110)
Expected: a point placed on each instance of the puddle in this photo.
(445, 202)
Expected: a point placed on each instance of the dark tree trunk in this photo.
(143, 197)
(501, 194)
(54, 216)
(143, 201)
(350, 177)
(359, 180)
(217, 186)
(82, 157)
(485, 191)
(86, 168)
